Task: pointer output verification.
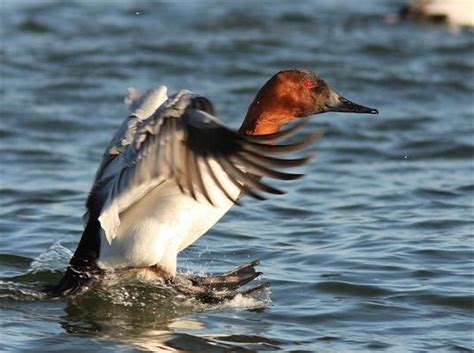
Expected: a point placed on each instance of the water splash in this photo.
(54, 259)
(249, 302)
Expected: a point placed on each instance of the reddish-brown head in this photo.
(291, 94)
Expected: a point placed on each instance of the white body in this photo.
(458, 12)
(160, 225)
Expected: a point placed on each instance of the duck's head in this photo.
(292, 94)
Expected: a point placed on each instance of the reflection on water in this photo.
(146, 315)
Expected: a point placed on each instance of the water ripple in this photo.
(371, 251)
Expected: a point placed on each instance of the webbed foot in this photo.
(219, 288)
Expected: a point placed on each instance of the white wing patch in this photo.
(141, 107)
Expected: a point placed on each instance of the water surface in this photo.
(372, 251)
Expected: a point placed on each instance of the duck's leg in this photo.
(218, 288)
(228, 280)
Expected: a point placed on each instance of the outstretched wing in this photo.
(184, 141)
(141, 106)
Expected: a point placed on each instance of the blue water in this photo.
(372, 251)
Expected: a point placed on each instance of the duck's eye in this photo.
(308, 84)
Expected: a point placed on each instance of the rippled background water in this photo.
(372, 251)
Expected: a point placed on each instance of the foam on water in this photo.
(54, 259)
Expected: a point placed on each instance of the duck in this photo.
(457, 13)
(173, 169)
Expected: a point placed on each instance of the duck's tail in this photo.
(82, 269)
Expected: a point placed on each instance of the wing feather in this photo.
(183, 141)
(218, 183)
(234, 178)
(199, 179)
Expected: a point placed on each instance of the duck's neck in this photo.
(263, 119)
